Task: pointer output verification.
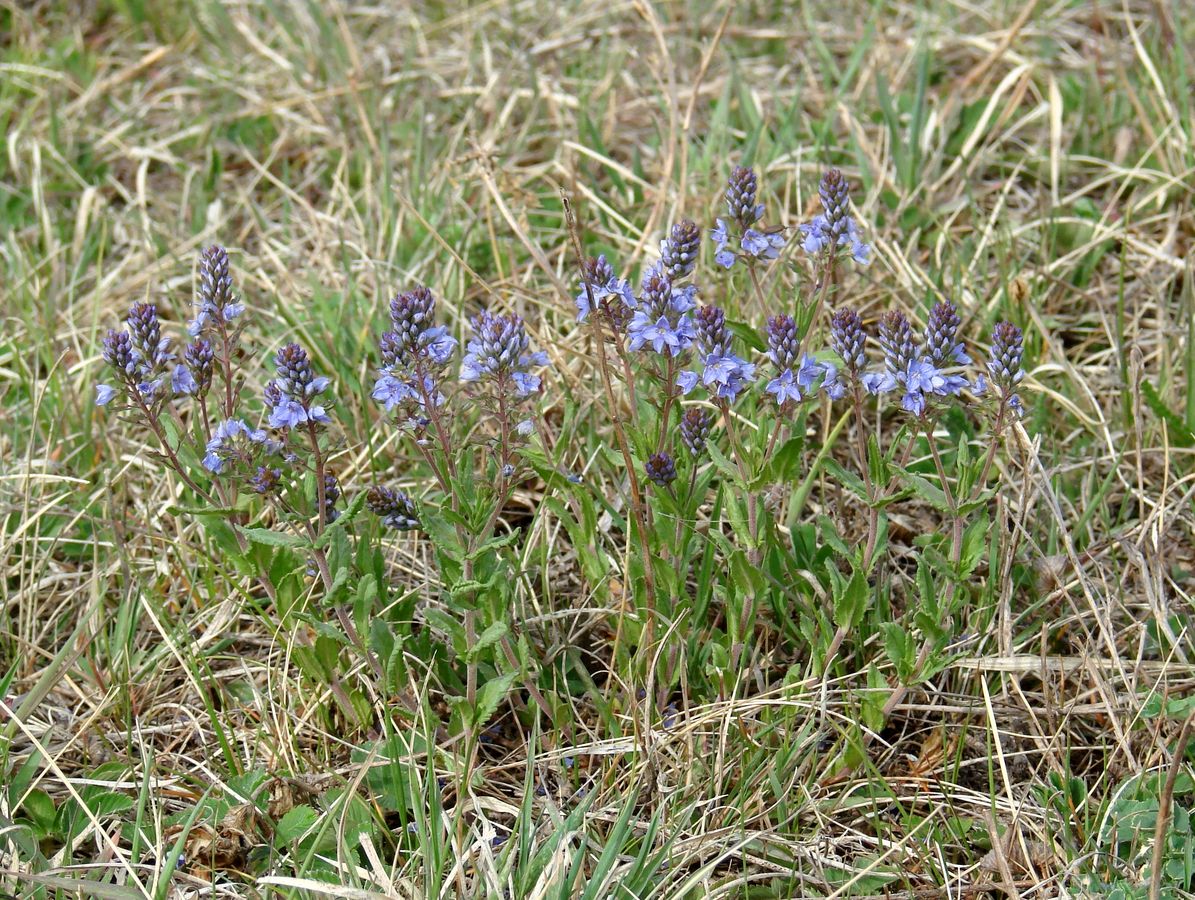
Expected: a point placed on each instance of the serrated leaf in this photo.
(492, 693)
(294, 825)
(488, 638)
(848, 480)
(850, 600)
(930, 493)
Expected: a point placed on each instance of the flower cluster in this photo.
(291, 396)
(415, 352)
(234, 442)
(755, 241)
(138, 356)
(660, 469)
(216, 306)
(724, 374)
(1004, 365)
(927, 372)
(835, 228)
(393, 507)
(661, 320)
(602, 289)
(798, 373)
(499, 353)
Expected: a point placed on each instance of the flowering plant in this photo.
(725, 402)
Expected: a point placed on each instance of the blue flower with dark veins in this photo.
(724, 376)
(661, 335)
(763, 244)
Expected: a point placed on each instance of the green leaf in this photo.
(785, 464)
(492, 693)
(40, 809)
(270, 538)
(930, 493)
(724, 465)
(850, 600)
(848, 480)
(899, 647)
(294, 825)
(488, 638)
(1180, 433)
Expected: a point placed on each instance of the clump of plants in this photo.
(723, 397)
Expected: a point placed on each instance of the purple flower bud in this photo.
(613, 296)
(835, 196)
(897, 341)
(678, 252)
(835, 228)
(331, 495)
(661, 469)
(848, 339)
(940, 344)
(655, 294)
(712, 336)
(118, 352)
(695, 427)
(1004, 361)
(265, 480)
(740, 197)
(216, 303)
(393, 507)
(597, 270)
(783, 343)
(198, 359)
(145, 333)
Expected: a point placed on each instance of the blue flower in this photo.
(818, 235)
(762, 245)
(612, 295)
(233, 439)
(833, 386)
(784, 388)
(795, 384)
(104, 394)
(723, 257)
(182, 381)
(920, 379)
(393, 391)
(290, 394)
(292, 414)
(725, 376)
(661, 335)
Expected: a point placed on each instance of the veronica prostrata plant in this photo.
(729, 392)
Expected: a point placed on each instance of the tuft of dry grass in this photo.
(1027, 159)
